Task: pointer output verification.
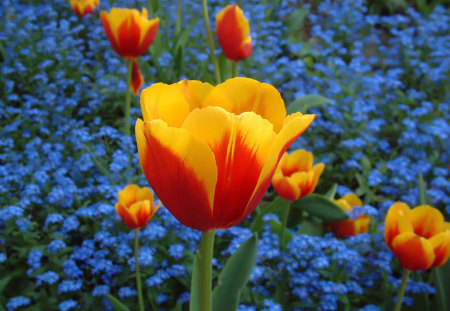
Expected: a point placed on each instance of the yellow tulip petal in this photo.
(127, 196)
(240, 145)
(144, 193)
(352, 199)
(181, 170)
(165, 102)
(239, 95)
(194, 92)
(298, 160)
(362, 224)
(391, 226)
(426, 220)
(413, 252)
(286, 187)
(441, 247)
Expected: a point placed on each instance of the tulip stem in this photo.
(234, 69)
(150, 9)
(401, 291)
(206, 255)
(138, 273)
(178, 21)
(128, 98)
(284, 218)
(210, 41)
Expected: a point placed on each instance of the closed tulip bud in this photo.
(418, 237)
(295, 176)
(84, 7)
(349, 227)
(135, 206)
(130, 33)
(210, 152)
(233, 33)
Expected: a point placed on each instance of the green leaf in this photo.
(182, 38)
(302, 104)
(442, 284)
(274, 207)
(366, 166)
(311, 228)
(155, 5)
(235, 275)
(194, 303)
(275, 225)
(295, 21)
(423, 196)
(118, 306)
(331, 192)
(178, 307)
(224, 67)
(321, 207)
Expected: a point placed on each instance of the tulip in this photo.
(209, 152)
(349, 227)
(418, 237)
(136, 78)
(295, 176)
(233, 33)
(130, 33)
(84, 7)
(135, 206)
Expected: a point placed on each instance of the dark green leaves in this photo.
(321, 207)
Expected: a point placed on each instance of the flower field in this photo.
(377, 81)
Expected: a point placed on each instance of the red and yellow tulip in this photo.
(349, 227)
(135, 206)
(419, 237)
(210, 152)
(233, 33)
(295, 176)
(84, 7)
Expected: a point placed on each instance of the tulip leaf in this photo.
(442, 284)
(273, 207)
(275, 225)
(331, 192)
(423, 196)
(182, 38)
(195, 303)
(235, 275)
(295, 21)
(311, 228)
(303, 103)
(118, 306)
(224, 67)
(321, 207)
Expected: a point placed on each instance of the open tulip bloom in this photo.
(84, 7)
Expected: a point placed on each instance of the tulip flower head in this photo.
(84, 7)
(210, 152)
(418, 237)
(295, 176)
(349, 227)
(135, 206)
(233, 33)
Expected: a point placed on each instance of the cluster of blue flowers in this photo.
(63, 159)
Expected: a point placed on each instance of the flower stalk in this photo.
(234, 69)
(401, 290)
(179, 15)
(138, 273)
(210, 41)
(206, 255)
(128, 97)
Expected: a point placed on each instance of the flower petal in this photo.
(240, 145)
(137, 79)
(391, 226)
(426, 220)
(239, 95)
(180, 169)
(286, 187)
(127, 196)
(413, 251)
(352, 199)
(129, 219)
(441, 247)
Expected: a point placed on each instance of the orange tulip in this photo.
(136, 78)
(210, 152)
(135, 206)
(84, 7)
(129, 32)
(349, 227)
(419, 237)
(295, 176)
(233, 33)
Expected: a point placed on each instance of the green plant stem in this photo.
(128, 98)
(234, 69)
(401, 291)
(206, 255)
(179, 15)
(150, 9)
(210, 41)
(284, 218)
(138, 273)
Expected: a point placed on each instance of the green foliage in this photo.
(303, 103)
(118, 306)
(320, 207)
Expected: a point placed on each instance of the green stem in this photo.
(401, 291)
(179, 15)
(206, 255)
(150, 9)
(210, 41)
(138, 273)
(234, 69)
(128, 98)
(284, 218)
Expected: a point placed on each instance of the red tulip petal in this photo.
(413, 252)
